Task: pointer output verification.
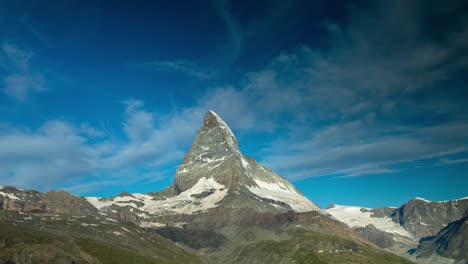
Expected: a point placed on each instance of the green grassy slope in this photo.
(35, 239)
(305, 246)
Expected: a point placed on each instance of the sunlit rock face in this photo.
(426, 218)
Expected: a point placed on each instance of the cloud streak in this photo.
(184, 67)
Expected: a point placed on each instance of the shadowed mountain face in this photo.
(450, 242)
(222, 208)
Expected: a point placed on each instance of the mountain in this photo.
(222, 207)
(213, 174)
(425, 231)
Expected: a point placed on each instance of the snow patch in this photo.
(422, 199)
(152, 224)
(209, 160)
(10, 196)
(117, 233)
(245, 163)
(279, 191)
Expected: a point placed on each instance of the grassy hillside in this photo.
(34, 239)
(305, 246)
(46, 238)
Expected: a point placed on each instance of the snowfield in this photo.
(354, 217)
(184, 203)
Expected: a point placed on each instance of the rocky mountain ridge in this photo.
(14, 199)
(420, 229)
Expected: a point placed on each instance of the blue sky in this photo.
(356, 102)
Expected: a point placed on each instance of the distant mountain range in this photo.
(422, 230)
(223, 207)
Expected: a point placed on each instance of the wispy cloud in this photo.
(233, 28)
(363, 105)
(447, 161)
(185, 67)
(21, 79)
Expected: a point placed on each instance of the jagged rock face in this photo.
(382, 212)
(425, 218)
(13, 199)
(451, 242)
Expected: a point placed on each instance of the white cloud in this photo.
(154, 139)
(55, 152)
(90, 131)
(139, 124)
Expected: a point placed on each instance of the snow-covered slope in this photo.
(214, 173)
(200, 197)
(279, 191)
(355, 216)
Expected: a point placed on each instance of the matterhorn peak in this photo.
(215, 173)
(212, 119)
(215, 155)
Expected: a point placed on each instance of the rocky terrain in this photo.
(422, 230)
(424, 218)
(223, 207)
(60, 202)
